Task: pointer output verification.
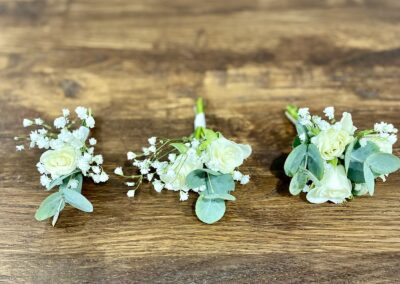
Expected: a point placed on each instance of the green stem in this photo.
(199, 110)
(292, 113)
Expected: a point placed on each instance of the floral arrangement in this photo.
(332, 161)
(68, 157)
(205, 163)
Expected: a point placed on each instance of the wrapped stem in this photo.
(200, 119)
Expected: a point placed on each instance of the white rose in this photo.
(61, 161)
(384, 144)
(225, 156)
(334, 187)
(175, 174)
(332, 142)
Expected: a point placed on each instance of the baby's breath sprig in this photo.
(205, 163)
(332, 161)
(68, 157)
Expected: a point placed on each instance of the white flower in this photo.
(334, 186)
(131, 193)
(103, 177)
(130, 184)
(146, 151)
(39, 121)
(346, 123)
(61, 161)
(41, 168)
(183, 195)
(361, 189)
(20, 147)
(131, 155)
(96, 169)
(150, 177)
(224, 156)
(302, 137)
(330, 112)
(175, 174)
(27, 122)
(98, 159)
(158, 185)
(245, 179)
(45, 180)
(304, 112)
(172, 157)
(385, 144)
(152, 149)
(81, 112)
(331, 143)
(118, 171)
(65, 112)
(73, 183)
(90, 122)
(152, 140)
(92, 141)
(60, 122)
(237, 175)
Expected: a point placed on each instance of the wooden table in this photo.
(140, 65)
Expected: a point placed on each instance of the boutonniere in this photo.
(332, 161)
(205, 162)
(68, 157)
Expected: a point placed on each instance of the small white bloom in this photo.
(39, 121)
(90, 122)
(384, 143)
(84, 166)
(131, 193)
(146, 151)
(45, 180)
(81, 112)
(302, 137)
(237, 175)
(329, 112)
(195, 143)
(65, 112)
(73, 183)
(152, 141)
(60, 122)
(118, 171)
(363, 142)
(103, 177)
(183, 195)
(98, 159)
(131, 155)
(172, 157)
(130, 184)
(20, 147)
(150, 176)
(27, 122)
(304, 112)
(41, 168)
(96, 169)
(158, 185)
(152, 149)
(245, 179)
(92, 141)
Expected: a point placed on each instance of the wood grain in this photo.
(140, 65)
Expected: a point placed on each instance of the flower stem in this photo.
(292, 113)
(200, 118)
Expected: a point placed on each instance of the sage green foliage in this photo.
(55, 202)
(210, 206)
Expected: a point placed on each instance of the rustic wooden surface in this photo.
(139, 65)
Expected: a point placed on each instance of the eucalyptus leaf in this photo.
(79, 178)
(224, 196)
(77, 200)
(298, 182)
(182, 148)
(196, 179)
(210, 211)
(296, 142)
(357, 158)
(301, 130)
(315, 162)
(347, 156)
(383, 163)
(49, 206)
(61, 206)
(295, 159)
(369, 178)
(221, 184)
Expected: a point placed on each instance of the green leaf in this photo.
(61, 206)
(210, 135)
(296, 142)
(182, 148)
(301, 129)
(77, 200)
(60, 180)
(221, 184)
(210, 211)
(79, 178)
(358, 156)
(347, 156)
(196, 179)
(49, 206)
(383, 163)
(298, 182)
(369, 178)
(295, 160)
(224, 196)
(315, 162)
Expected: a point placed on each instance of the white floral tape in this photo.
(200, 120)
